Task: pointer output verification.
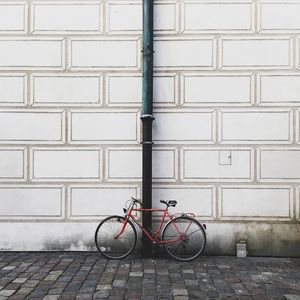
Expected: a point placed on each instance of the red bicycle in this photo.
(182, 236)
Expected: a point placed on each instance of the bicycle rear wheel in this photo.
(184, 238)
(108, 245)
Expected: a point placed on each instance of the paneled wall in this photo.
(226, 129)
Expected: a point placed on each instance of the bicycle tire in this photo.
(184, 250)
(115, 248)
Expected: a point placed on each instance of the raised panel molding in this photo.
(86, 201)
(182, 53)
(200, 200)
(34, 126)
(90, 126)
(256, 126)
(32, 202)
(217, 164)
(13, 17)
(125, 164)
(261, 203)
(278, 16)
(258, 53)
(32, 53)
(217, 89)
(13, 89)
(66, 164)
(70, 17)
(278, 164)
(204, 16)
(13, 164)
(106, 53)
(184, 126)
(54, 89)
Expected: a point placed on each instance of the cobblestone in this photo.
(88, 276)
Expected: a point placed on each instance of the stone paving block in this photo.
(7, 293)
(103, 287)
(84, 296)
(68, 296)
(292, 296)
(179, 292)
(8, 268)
(56, 291)
(20, 280)
(31, 283)
(51, 297)
(119, 283)
(101, 294)
(136, 274)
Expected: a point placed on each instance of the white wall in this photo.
(226, 129)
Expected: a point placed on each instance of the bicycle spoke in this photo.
(105, 237)
(193, 241)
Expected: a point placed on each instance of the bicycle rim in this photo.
(193, 243)
(105, 240)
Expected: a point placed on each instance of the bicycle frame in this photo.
(154, 238)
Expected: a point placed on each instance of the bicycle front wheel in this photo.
(108, 241)
(184, 238)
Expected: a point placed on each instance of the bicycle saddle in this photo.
(169, 202)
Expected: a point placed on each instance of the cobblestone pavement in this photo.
(86, 275)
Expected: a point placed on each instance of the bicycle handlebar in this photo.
(137, 201)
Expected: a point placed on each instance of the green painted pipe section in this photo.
(147, 118)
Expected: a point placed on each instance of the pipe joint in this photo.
(147, 52)
(147, 117)
(147, 143)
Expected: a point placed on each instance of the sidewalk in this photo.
(86, 275)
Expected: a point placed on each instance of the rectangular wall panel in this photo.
(166, 17)
(256, 53)
(192, 126)
(60, 164)
(35, 126)
(279, 89)
(31, 202)
(207, 164)
(13, 17)
(279, 164)
(258, 127)
(25, 53)
(125, 17)
(198, 200)
(92, 126)
(13, 164)
(202, 89)
(88, 201)
(106, 53)
(68, 90)
(279, 17)
(165, 91)
(13, 89)
(126, 164)
(66, 17)
(118, 93)
(256, 203)
(182, 53)
(217, 16)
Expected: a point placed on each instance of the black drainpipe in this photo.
(147, 118)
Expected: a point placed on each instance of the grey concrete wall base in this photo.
(263, 239)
